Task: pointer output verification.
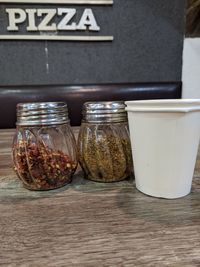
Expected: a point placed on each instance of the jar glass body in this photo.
(45, 157)
(105, 151)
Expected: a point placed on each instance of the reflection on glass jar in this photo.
(44, 149)
(104, 143)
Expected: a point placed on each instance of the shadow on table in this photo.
(157, 210)
(12, 190)
(83, 185)
(24, 195)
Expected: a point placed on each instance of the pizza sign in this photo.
(47, 23)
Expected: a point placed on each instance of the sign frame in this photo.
(71, 2)
(56, 37)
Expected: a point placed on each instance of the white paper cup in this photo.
(165, 137)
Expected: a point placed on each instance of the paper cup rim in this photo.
(165, 105)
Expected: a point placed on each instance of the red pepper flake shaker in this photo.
(44, 147)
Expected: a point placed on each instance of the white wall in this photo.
(191, 68)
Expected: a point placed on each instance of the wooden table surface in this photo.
(92, 224)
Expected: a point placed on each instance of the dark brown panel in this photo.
(75, 96)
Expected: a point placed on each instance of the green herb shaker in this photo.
(104, 146)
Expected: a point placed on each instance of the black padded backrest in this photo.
(75, 96)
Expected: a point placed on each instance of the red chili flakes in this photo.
(42, 168)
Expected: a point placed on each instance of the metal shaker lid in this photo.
(98, 112)
(42, 113)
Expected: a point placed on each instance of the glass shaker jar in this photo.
(44, 148)
(104, 145)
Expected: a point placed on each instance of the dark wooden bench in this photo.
(75, 96)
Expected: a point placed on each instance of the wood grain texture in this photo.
(193, 18)
(92, 224)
